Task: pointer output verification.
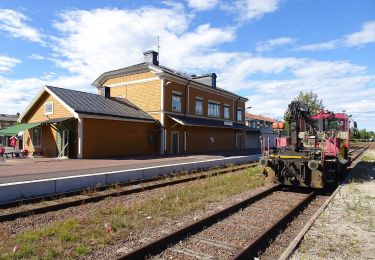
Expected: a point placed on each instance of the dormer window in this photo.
(48, 108)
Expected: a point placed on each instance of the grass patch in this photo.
(76, 236)
(368, 158)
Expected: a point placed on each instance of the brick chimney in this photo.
(151, 57)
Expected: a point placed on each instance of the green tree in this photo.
(311, 100)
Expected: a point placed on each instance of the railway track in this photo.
(236, 232)
(268, 225)
(22, 208)
(354, 154)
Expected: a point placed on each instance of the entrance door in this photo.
(174, 142)
(240, 141)
(65, 143)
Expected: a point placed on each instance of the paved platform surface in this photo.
(17, 170)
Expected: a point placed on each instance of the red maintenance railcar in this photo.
(315, 151)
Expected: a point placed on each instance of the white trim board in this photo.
(122, 84)
(35, 188)
(127, 170)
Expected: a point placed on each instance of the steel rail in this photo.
(298, 238)
(263, 240)
(163, 243)
(358, 152)
(102, 193)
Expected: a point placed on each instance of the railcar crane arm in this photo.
(296, 114)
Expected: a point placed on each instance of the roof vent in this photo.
(151, 57)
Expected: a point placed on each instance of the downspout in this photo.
(187, 97)
(187, 101)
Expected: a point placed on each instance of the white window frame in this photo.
(209, 111)
(180, 96)
(202, 104)
(228, 115)
(45, 108)
(40, 139)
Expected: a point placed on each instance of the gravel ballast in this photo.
(346, 229)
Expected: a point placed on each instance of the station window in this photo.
(199, 107)
(226, 112)
(176, 102)
(36, 136)
(213, 109)
(239, 114)
(48, 108)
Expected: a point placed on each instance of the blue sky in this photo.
(265, 50)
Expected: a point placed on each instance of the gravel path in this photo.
(346, 229)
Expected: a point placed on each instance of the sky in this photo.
(265, 50)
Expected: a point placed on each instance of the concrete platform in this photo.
(40, 176)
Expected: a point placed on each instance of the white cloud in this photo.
(90, 42)
(104, 39)
(8, 63)
(253, 9)
(271, 83)
(321, 69)
(202, 5)
(16, 94)
(363, 37)
(330, 45)
(14, 23)
(35, 56)
(357, 39)
(272, 43)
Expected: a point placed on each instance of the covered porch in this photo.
(50, 138)
(191, 135)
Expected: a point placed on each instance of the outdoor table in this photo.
(12, 153)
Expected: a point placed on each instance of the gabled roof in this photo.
(146, 67)
(83, 103)
(93, 104)
(249, 116)
(137, 68)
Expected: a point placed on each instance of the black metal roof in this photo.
(93, 104)
(195, 121)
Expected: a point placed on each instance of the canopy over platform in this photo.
(203, 122)
(14, 130)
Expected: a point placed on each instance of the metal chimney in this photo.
(151, 57)
(107, 92)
